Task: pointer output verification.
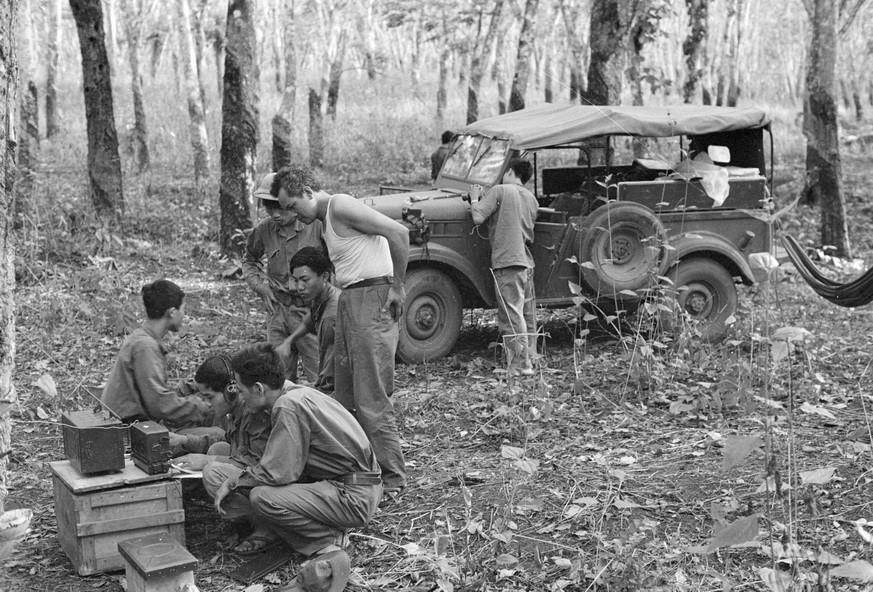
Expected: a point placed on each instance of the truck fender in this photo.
(462, 269)
(707, 243)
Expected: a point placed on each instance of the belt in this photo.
(376, 281)
(360, 479)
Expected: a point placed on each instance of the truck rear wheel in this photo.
(625, 244)
(431, 316)
(707, 293)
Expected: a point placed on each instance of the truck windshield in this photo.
(476, 159)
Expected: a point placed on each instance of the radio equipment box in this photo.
(150, 447)
(93, 441)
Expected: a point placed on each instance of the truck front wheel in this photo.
(431, 318)
(707, 293)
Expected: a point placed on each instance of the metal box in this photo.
(93, 441)
(157, 563)
(95, 513)
(150, 447)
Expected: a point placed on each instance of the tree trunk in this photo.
(498, 74)
(733, 54)
(336, 72)
(200, 43)
(316, 129)
(283, 121)
(104, 164)
(823, 165)
(443, 81)
(218, 44)
(28, 139)
(694, 46)
(8, 121)
(157, 40)
(239, 126)
(522, 61)
(197, 120)
(111, 32)
(52, 124)
(856, 101)
(477, 63)
(548, 77)
(576, 56)
(607, 56)
(139, 133)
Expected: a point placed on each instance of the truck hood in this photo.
(435, 204)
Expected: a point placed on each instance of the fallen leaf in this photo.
(817, 476)
(255, 588)
(738, 532)
(817, 410)
(505, 560)
(412, 549)
(47, 385)
(737, 448)
(858, 570)
(777, 581)
(512, 452)
(562, 562)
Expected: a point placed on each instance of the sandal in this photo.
(255, 543)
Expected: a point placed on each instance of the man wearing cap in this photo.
(369, 252)
(268, 252)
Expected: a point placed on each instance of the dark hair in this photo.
(447, 137)
(294, 178)
(160, 296)
(215, 372)
(522, 169)
(312, 257)
(259, 363)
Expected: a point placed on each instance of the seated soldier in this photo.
(311, 269)
(137, 388)
(317, 478)
(245, 434)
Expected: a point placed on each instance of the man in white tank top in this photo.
(369, 252)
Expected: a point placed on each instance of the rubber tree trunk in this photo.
(28, 138)
(139, 133)
(443, 82)
(523, 56)
(239, 126)
(498, 73)
(52, 118)
(8, 139)
(104, 164)
(196, 117)
(606, 65)
(823, 165)
(694, 46)
(477, 63)
(335, 75)
(316, 129)
(282, 124)
(576, 56)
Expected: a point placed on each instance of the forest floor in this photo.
(621, 466)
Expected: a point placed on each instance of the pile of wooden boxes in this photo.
(103, 498)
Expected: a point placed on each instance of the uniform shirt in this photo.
(322, 322)
(313, 438)
(437, 159)
(277, 244)
(137, 385)
(247, 434)
(511, 211)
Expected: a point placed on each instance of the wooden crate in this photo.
(95, 513)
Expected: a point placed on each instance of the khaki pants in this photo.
(365, 343)
(516, 314)
(307, 516)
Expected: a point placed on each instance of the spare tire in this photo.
(626, 246)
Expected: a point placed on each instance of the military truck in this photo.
(628, 195)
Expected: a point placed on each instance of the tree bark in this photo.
(735, 18)
(316, 129)
(139, 133)
(606, 65)
(8, 139)
(335, 75)
(823, 164)
(577, 45)
(196, 117)
(522, 61)
(218, 46)
(694, 46)
(239, 126)
(477, 62)
(443, 82)
(104, 163)
(28, 139)
(282, 123)
(498, 73)
(52, 124)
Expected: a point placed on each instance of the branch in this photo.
(853, 12)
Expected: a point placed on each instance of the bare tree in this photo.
(522, 60)
(479, 57)
(335, 75)
(8, 123)
(577, 39)
(316, 129)
(52, 125)
(282, 123)
(133, 19)
(694, 46)
(196, 117)
(239, 126)
(104, 164)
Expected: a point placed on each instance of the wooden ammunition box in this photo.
(95, 513)
(93, 442)
(157, 563)
(150, 447)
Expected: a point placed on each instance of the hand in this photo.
(177, 440)
(223, 491)
(192, 462)
(266, 294)
(394, 303)
(475, 192)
